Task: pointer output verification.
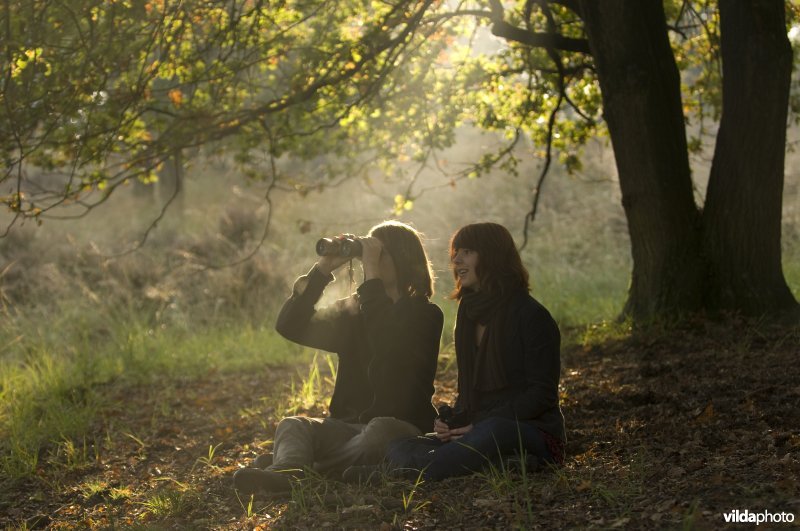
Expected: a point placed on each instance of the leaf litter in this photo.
(665, 430)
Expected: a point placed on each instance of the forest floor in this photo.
(665, 431)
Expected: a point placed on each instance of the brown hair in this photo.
(404, 245)
(500, 267)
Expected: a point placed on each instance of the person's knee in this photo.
(507, 437)
(394, 450)
(291, 421)
(498, 430)
(400, 451)
(380, 432)
(383, 430)
(493, 424)
(289, 424)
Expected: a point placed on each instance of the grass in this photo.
(409, 504)
(52, 384)
(312, 387)
(579, 295)
(601, 332)
(171, 501)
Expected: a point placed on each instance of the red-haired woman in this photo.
(508, 354)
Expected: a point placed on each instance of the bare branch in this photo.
(537, 191)
(268, 199)
(175, 192)
(562, 95)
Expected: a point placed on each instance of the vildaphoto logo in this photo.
(764, 517)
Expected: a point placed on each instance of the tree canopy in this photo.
(102, 92)
(96, 94)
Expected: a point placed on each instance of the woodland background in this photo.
(139, 367)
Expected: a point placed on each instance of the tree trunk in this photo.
(640, 84)
(742, 218)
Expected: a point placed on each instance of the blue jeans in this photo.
(488, 442)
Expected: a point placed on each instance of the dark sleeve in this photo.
(404, 342)
(541, 357)
(299, 321)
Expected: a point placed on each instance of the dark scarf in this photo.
(480, 367)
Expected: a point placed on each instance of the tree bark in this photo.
(642, 106)
(742, 217)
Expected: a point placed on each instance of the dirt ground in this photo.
(665, 431)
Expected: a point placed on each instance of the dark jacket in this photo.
(532, 362)
(387, 351)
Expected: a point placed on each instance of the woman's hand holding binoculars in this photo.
(337, 251)
(330, 263)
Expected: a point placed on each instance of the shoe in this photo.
(262, 461)
(249, 481)
(363, 474)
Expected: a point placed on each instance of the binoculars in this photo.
(346, 247)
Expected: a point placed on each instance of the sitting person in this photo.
(387, 339)
(508, 357)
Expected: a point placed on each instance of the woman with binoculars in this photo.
(387, 338)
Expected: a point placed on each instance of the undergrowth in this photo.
(52, 390)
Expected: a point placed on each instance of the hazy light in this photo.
(100, 97)
(794, 34)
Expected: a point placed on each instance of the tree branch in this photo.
(501, 28)
(270, 208)
(539, 40)
(562, 95)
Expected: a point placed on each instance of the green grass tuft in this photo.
(51, 384)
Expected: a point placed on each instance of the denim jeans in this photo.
(488, 442)
(331, 445)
